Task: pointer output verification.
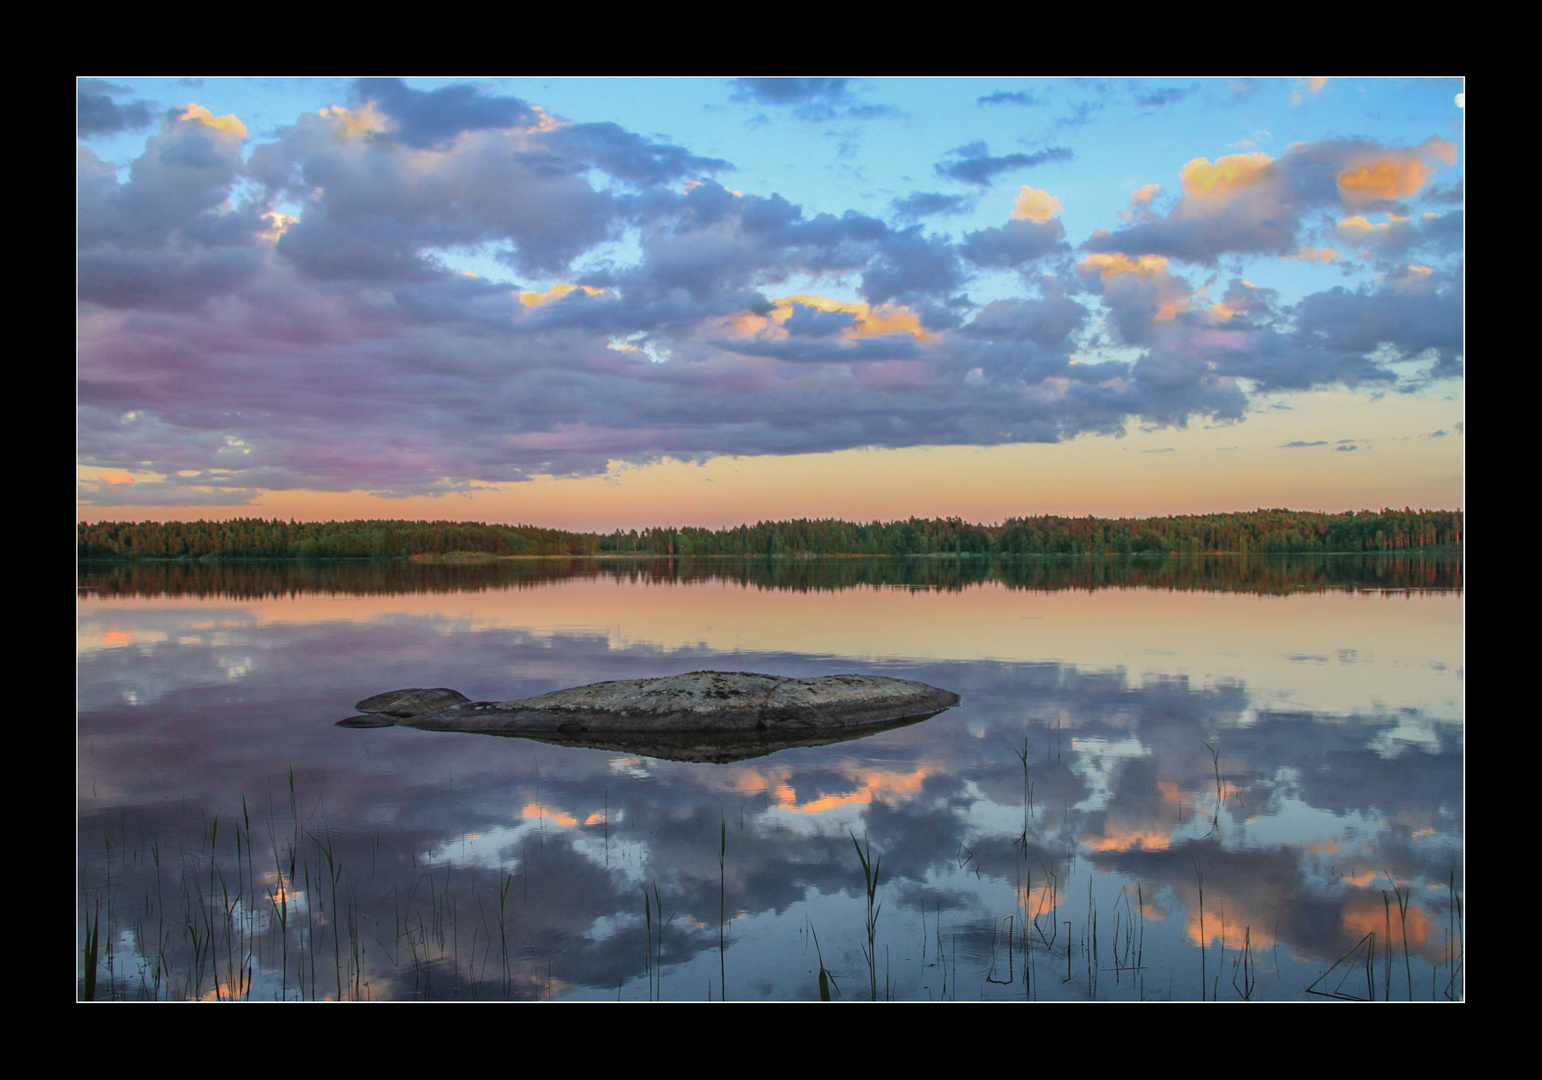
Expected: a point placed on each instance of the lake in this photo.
(1167, 779)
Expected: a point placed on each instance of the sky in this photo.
(608, 303)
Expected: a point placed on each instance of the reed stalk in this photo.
(1203, 940)
(722, 906)
(826, 979)
(1403, 899)
(870, 868)
(93, 926)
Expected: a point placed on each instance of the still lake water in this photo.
(1166, 780)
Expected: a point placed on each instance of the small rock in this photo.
(412, 702)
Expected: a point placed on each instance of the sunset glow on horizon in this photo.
(594, 304)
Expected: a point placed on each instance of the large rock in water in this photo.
(700, 716)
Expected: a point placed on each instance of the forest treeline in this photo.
(1257, 531)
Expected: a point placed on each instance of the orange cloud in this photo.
(1113, 264)
(1311, 84)
(1368, 911)
(1322, 255)
(1035, 205)
(1229, 929)
(536, 810)
(556, 292)
(1222, 180)
(870, 320)
(692, 185)
(871, 786)
(1385, 180)
(1130, 840)
(277, 223)
(757, 781)
(748, 324)
(116, 478)
(1237, 301)
(1396, 176)
(1163, 294)
(1140, 202)
(227, 125)
(353, 123)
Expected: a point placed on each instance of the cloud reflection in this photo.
(1054, 777)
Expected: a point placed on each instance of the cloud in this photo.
(1034, 205)
(813, 99)
(171, 236)
(817, 321)
(926, 203)
(187, 171)
(282, 316)
(1157, 99)
(431, 119)
(373, 206)
(1338, 336)
(1244, 306)
(1395, 174)
(1139, 293)
(1401, 235)
(96, 113)
(556, 292)
(1335, 337)
(1033, 233)
(1049, 322)
(1414, 312)
(1015, 244)
(1140, 203)
(909, 266)
(1254, 204)
(708, 242)
(163, 493)
(791, 91)
(973, 163)
(628, 156)
(1009, 97)
(1311, 84)
(800, 314)
(1318, 255)
(809, 328)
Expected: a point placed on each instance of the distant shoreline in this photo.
(1276, 531)
(483, 558)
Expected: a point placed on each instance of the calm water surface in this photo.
(1166, 780)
